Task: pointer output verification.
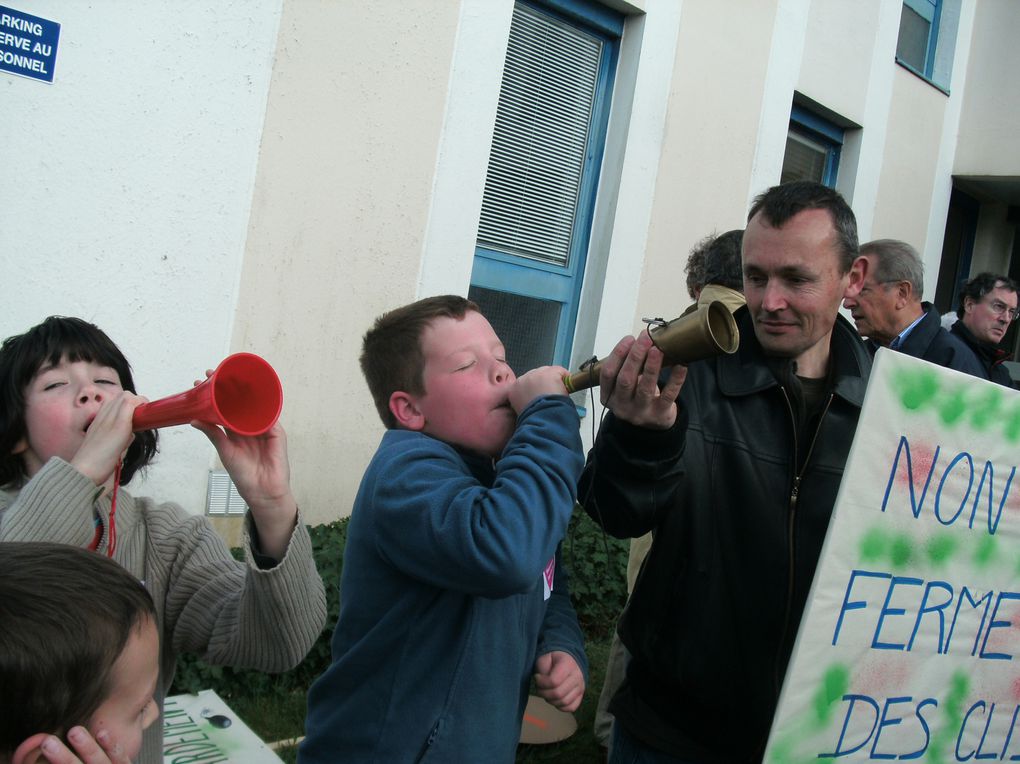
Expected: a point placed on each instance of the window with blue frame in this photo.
(927, 39)
(813, 145)
(543, 174)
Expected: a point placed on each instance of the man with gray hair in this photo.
(889, 312)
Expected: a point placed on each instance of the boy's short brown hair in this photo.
(391, 355)
(65, 616)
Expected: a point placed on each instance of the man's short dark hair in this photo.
(65, 616)
(896, 261)
(21, 357)
(722, 260)
(782, 202)
(981, 285)
(391, 354)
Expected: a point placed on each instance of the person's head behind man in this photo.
(800, 260)
(436, 366)
(80, 648)
(988, 303)
(890, 299)
(722, 264)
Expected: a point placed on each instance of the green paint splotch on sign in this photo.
(952, 708)
(940, 549)
(878, 545)
(873, 545)
(986, 552)
(901, 551)
(956, 402)
(916, 388)
(833, 687)
(835, 683)
(985, 408)
(953, 406)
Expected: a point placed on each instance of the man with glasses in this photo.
(988, 304)
(889, 312)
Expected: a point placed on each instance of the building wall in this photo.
(907, 176)
(991, 111)
(128, 185)
(272, 175)
(339, 217)
(987, 144)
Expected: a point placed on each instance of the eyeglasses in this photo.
(998, 307)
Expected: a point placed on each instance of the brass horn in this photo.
(707, 332)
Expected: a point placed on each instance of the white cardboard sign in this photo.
(909, 648)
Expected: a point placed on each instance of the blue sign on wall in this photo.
(28, 44)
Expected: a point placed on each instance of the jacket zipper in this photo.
(791, 523)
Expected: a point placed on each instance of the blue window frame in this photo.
(919, 34)
(927, 39)
(543, 174)
(813, 146)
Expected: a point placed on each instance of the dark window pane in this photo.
(912, 45)
(804, 160)
(527, 326)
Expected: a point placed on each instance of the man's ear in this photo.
(20, 447)
(858, 273)
(404, 408)
(904, 291)
(30, 751)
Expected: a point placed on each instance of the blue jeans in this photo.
(629, 750)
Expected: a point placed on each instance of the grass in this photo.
(272, 719)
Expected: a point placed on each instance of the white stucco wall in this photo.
(988, 142)
(914, 135)
(127, 189)
(340, 213)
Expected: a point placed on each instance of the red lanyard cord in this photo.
(111, 544)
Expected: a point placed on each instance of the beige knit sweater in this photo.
(229, 613)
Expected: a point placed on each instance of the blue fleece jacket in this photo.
(442, 603)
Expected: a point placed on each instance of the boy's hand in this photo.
(87, 749)
(260, 469)
(108, 437)
(545, 380)
(629, 384)
(559, 680)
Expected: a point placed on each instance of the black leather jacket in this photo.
(738, 527)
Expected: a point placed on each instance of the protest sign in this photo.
(202, 729)
(909, 644)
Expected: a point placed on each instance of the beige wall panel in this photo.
(993, 241)
(988, 142)
(907, 182)
(838, 49)
(338, 217)
(709, 144)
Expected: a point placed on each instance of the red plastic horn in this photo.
(243, 394)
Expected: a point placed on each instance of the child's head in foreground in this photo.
(79, 647)
(52, 379)
(436, 366)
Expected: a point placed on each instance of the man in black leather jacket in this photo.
(734, 464)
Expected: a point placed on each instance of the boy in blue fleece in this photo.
(452, 595)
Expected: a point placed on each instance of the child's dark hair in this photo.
(65, 616)
(21, 357)
(391, 354)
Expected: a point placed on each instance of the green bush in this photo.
(597, 566)
(598, 574)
